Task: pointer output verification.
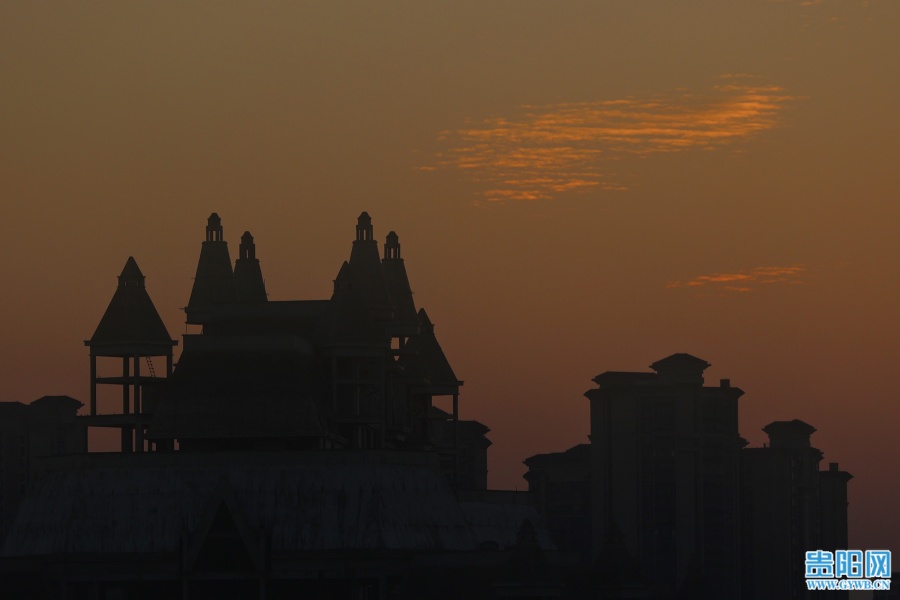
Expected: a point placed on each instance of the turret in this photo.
(131, 331)
(214, 228)
(392, 247)
(364, 272)
(248, 280)
(406, 321)
(364, 228)
(214, 281)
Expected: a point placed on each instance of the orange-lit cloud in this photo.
(544, 151)
(746, 281)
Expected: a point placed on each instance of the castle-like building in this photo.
(359, 370)
(294, 450)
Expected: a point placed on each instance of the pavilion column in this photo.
(138, 424)
(93, 385)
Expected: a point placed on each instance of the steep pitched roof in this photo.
(425, 360)
(214, 281)
(248, 280)
(405, 316)
(131, 317)
(363, 272)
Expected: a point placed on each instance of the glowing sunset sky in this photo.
(578, 186)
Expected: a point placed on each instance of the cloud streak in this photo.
(745, 281)
(544, 151)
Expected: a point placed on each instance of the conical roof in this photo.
(131, 318)
(214, 281)
(364, 271)
(405, 317)
(248, 280)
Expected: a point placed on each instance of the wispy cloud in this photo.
(541, 152)
(746, 281)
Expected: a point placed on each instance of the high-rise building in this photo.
(664, 473)
(678, 506)
(789, 507)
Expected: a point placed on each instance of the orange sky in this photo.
(578, 186)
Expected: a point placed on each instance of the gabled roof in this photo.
(131, 317)
(425, 360)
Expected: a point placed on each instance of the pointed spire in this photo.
(131, 317)
(392, 246)
(214, 232)
(248, 248)
(364, 228)
(405, 321)
(248, 280)
(131, 274)
(214, 281)
(365, 272)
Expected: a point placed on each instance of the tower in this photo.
(132, 332)
(405, 320)
(214, 281)
(364, 273)
(248, 280)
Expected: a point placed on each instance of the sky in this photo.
(578, 186)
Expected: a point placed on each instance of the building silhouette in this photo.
(561, 485)
(789, 507)
(678, 506)
(28, 432)
(294, 450)
(664, 471)
(314, 448)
